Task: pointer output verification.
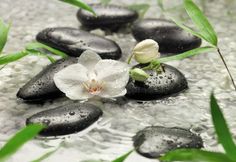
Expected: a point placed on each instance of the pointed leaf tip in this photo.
(222, 130)
(200, 20)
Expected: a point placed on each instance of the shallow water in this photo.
(112, 135)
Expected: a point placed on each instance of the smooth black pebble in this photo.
(42, 86)
(154, 141)
(66, 119)
(170, 37)
(107, 16)
(74, 42)
(157, 85)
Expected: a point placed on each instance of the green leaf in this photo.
(105, 2)
(36, 46)
(194, 155)
(187, 29)
(123, 157)
(5, 59)
(222, 130)
(19, 139)
(4, 30)
(50, 58)
(80, 4)
(187, 54)
(45, 156)
(140, 8)
(201, 22)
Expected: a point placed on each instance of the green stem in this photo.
(223, 60)
(149, 67)
(130, 58)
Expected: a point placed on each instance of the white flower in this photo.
(92, 76)
(146, 51)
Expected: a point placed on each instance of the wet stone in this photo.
(107, 16)
(165, 84)
(42, 86)
(66, 119)
(170, 37)
(74, 42)
(154, 141)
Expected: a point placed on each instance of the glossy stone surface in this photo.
(107, 16)
(66, 119)
(153, 142)
(42, 86)
(157, 85)
(204, 73)
(74, 42)
(170, 37)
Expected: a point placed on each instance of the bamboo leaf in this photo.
(140, 8)
(19, 139)
(201, 22)
(4, 30)
(194, 155)
(36, 46)
(222, 130)
(50, 58)
(5, 59)
(187, 54)
(187, 29)
(80, 4)
(123, 157)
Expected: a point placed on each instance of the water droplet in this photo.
(46, 121)
(169, 77)
(72, 113)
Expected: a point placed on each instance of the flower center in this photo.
(93, 87)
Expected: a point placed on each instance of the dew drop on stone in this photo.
(46, 121)
(170, 77)
(72, 113)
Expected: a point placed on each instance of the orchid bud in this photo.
(139, 74)
(146, 51)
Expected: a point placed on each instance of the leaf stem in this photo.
(223, 60)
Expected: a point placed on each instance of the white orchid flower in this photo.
(92, 76)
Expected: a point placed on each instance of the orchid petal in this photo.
(78, 93)
(89, 59)
(70, 81)
(112, 72)
(113, 92)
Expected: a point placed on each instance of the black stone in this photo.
(107, 16)
(74, 42)
(153, 142)
(170, 37)
(66, 119)
(157, 86)
(42, 86)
